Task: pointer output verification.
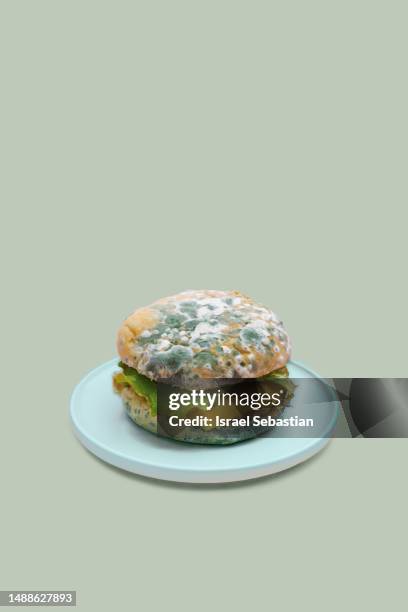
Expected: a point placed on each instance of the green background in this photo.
(152, 147)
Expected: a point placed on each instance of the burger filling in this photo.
(130, 379)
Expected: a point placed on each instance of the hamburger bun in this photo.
(203, 334)
(137, 407)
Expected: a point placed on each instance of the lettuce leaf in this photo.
(141, 385)
(281, 376)
(281, 373)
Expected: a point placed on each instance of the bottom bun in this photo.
(138, 409)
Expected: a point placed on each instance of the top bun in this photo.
(204, 334)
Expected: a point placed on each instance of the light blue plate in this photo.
(103, 427)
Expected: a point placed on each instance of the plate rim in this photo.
(168, 470)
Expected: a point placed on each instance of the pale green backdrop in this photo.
(151, 147)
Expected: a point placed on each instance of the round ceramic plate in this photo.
(102, 425)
